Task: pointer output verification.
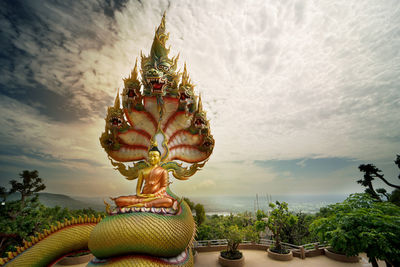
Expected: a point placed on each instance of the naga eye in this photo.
(163, 67)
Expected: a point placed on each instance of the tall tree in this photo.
(362, 224)
(31, 184)
(370, 174)
(3, 193)
(20, 218)
(200, 214)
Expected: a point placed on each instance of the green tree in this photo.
(3, 194)
(260, 214)
(252, 232)
(22, 218)
(31, 184)
(370, 174)
(200, 214)
(259, 224)
(299, 233)
(235, 236)
(198, 210)
(189, 202)
(279, 218)
(362, 224)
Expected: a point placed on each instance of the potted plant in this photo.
(232, 257)
(279, 218)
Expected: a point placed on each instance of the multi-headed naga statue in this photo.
(151, 227)
(166, 109)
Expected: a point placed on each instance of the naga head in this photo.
(115, 122)
(131, 94)
(186, 93)
(199, 121)
(115, 116)
(208, 144)
(159, 75)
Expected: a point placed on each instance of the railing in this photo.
(208, 243)
(302, 251)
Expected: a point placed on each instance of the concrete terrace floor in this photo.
(255, 258)
(259, 258)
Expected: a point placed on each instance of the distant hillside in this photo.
(64, 201)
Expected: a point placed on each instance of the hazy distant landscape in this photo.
(236, 204)
(64, 201)
(212, 205)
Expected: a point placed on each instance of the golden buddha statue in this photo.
(153, 193)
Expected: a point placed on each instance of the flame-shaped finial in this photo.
(158, 48)
(134, 73)
(200, 105)
(116, 102)
(185, 76)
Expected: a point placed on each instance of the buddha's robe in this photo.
(156, 183)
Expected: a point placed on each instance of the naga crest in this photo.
(159, 102)
(159, 75)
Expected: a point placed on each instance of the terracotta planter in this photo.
(75, 260)
(280, 257)
(231, 263)
(340, 257)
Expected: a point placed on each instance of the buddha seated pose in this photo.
(154, 193)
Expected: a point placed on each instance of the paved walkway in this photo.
(255, 258)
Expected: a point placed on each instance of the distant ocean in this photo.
(224, 205)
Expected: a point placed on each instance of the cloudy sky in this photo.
(298, 92)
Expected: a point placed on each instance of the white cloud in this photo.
(279, 80)
(282, 84)
(48, 141)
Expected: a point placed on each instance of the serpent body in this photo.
(131, 239)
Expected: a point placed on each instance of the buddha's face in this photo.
(154, 158)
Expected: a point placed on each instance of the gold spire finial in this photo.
(200, 105)
(116, 102)
(134, 72)
(158, 48)
(185, 76)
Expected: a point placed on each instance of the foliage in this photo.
(395, 197)
(200, 214)
(3, 194)
(252, 233)
(214, 227)
(189, 202)
(362, 224)
(198, 209)
(370, 173)
(22, 218)
(299, 232)
(31, 183)
(279, 218)
(235, 236)
(260, 225)
(260, 214)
